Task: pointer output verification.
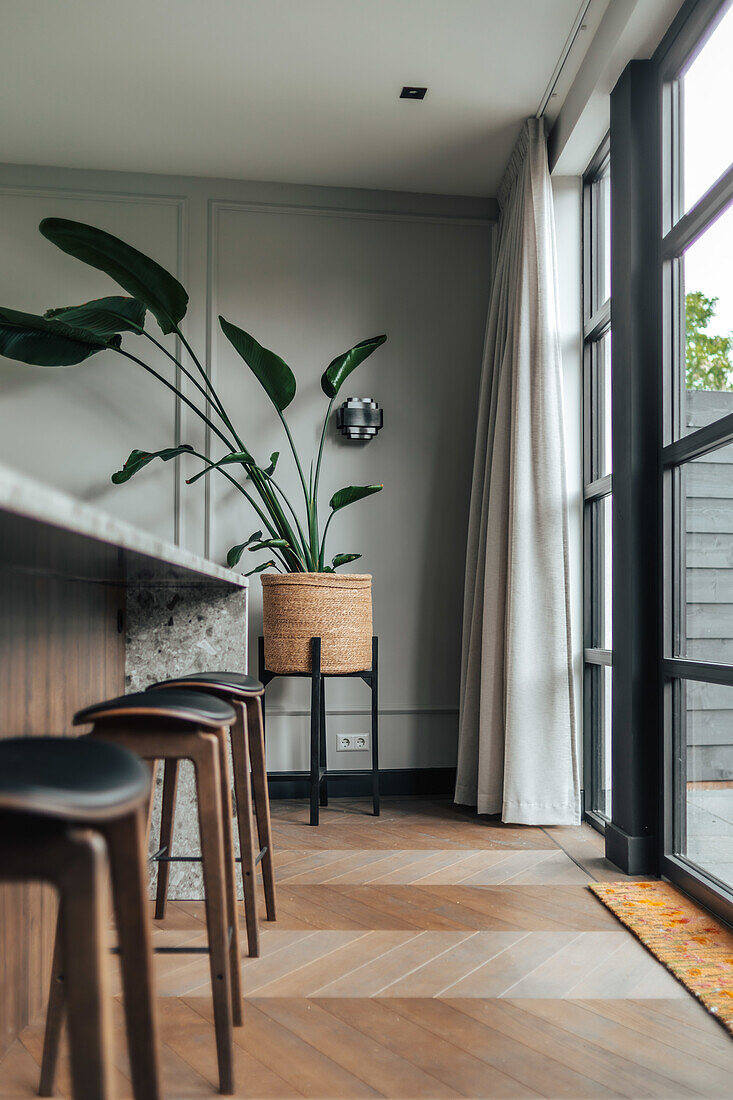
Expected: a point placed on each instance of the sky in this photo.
(708, 152)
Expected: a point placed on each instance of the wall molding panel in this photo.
(308, 271)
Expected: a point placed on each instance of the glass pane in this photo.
(599, 685)
(705, 542)
(707, 277)
(707, 93)
(601, 407)
(601, 565)
(704, 721)
(602, 240)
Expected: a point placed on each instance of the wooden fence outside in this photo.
(708, 492)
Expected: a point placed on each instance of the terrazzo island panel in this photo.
(174, 628)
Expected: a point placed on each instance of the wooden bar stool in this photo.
(188, 725)
(61, 799)
(244, 693)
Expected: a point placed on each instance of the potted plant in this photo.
(305, 597)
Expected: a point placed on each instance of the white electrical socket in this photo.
(352, 742)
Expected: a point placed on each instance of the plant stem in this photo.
(312, 529)
(322, 553)
(273, 505)
(317, 479)
(260, 479)
(295, 563)
(295, 456)
(320, 449)
(210, 386)
(187, 372)
(174, 389)
(265, 519)
(293, 513)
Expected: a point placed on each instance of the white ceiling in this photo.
(299, 91)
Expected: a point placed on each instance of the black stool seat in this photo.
(69, 778)
(238, 683)
(194, 707)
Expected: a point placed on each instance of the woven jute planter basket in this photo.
(336, 607)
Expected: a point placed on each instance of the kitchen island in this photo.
(90, 608)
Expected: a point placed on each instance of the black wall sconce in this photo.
(359, 418)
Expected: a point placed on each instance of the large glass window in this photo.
(598, 487)
(698, 462)
(706, 94)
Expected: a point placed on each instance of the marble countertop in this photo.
(23, 497)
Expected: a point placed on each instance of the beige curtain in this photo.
(517, 747)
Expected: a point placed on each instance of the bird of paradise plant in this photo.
(68, 335)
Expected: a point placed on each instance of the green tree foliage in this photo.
(708, 358)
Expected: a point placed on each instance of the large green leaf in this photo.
(344, 559)
(105, 316)
(270, 470)
(351, 494)
(273, 374)
(134, 271)
(270, 544)
(244, 458)
(261, 568)
(341, 367)
(236, 551)
(139, 459)
(44, 343)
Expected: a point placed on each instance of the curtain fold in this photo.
(517, 752)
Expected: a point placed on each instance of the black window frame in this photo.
(597, 487)
(679, 230)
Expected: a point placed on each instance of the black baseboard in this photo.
(436, 782)
(635, 855)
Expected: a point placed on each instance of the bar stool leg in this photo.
(167, 818)
(153, 769)
(126, 845)
(84, 930)
(205, 758)
(243, 792)
(256, 738)
(315, 726)
(230, 880)
(261, 675)
(55, 1013)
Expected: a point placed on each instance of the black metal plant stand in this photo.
(319, 773)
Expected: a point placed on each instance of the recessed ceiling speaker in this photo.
(359, 418)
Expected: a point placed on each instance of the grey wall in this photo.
(309, 271)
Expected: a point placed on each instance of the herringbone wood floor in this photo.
(429, 953)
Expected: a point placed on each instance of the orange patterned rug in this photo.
(691, 943)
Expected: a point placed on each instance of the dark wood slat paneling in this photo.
(59, 650)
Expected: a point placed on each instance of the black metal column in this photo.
(631, 836)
